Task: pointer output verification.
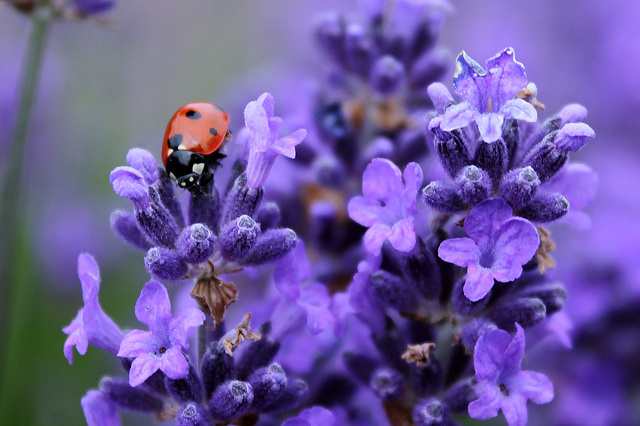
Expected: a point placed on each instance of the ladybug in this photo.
(193, 137)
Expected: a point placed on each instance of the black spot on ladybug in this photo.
(194, 115)
(174, 141)
(213, 131)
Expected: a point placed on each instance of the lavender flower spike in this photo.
(501, 384)
(91, 325)
(489, 95)
(498, 246)
(264, 145)
(388, 206)
(161, 347)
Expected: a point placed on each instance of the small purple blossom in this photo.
(488, 95)
(264, 144)
(498, 246)
(91, 7)
(99, 410)
(388, 206)
(161, 347)
(91, 325)
(502, 385)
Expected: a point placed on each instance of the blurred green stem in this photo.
(12, 212)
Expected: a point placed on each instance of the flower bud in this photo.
(473, 185)
(126, 226)
(545, 158)
(431, 412)
(421, 267)
(459, 396)
(387, 384)
(271, 245)
(257, 354)
(216, 367)
(237, 237)
(359, 50)
(427, 379)
(393, 291)
(473, 330)
(552, 294)
(165, 264)
(187, 389)
(493, 158)
(451, 148)
(268, 385)
(124, 396)
(204, 207)
(196, 243)
(292, 396)
(387, 75)
(519, 186)
(526, 311)
(573, 137)
(545, 207)
(268, 216)
(193, 414)
(231, 400)
(241, 199)
(442, 197)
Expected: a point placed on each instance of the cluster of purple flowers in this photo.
(407, 304)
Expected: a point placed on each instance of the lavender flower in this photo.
(388, 206)
(498, 246)
(264, 144)
(91, 325)
(161, 347)
(502, 385)
(99, 410)
(489, 95)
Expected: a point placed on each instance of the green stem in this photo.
(12, 202)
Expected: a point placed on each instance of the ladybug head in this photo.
(185, 167)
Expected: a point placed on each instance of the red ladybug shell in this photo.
(199, 127)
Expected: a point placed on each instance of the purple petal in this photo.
(89, 275)
(143, 161)
(517, 243)
(507, 77)
(129, 183)
(459, 251)
(142, 368)
(573, 136)
(413, 179)
(535, 386)
(488, 405)
(457, 116)
(514, 352)
(514, 409)
(187, 318)
(365, 211)
(257, 121)
(98, 410)
(174, 364)
(403, 235)
(468, 81)
(77, 337)
(478, 283)
(312, 416)
(489, 353)
(381, 180)
(519, 109)
(316, 300)
(286, 145)
(375, 237)
(490, 126)
(153, 305)
(486, 218)
(135, 343)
